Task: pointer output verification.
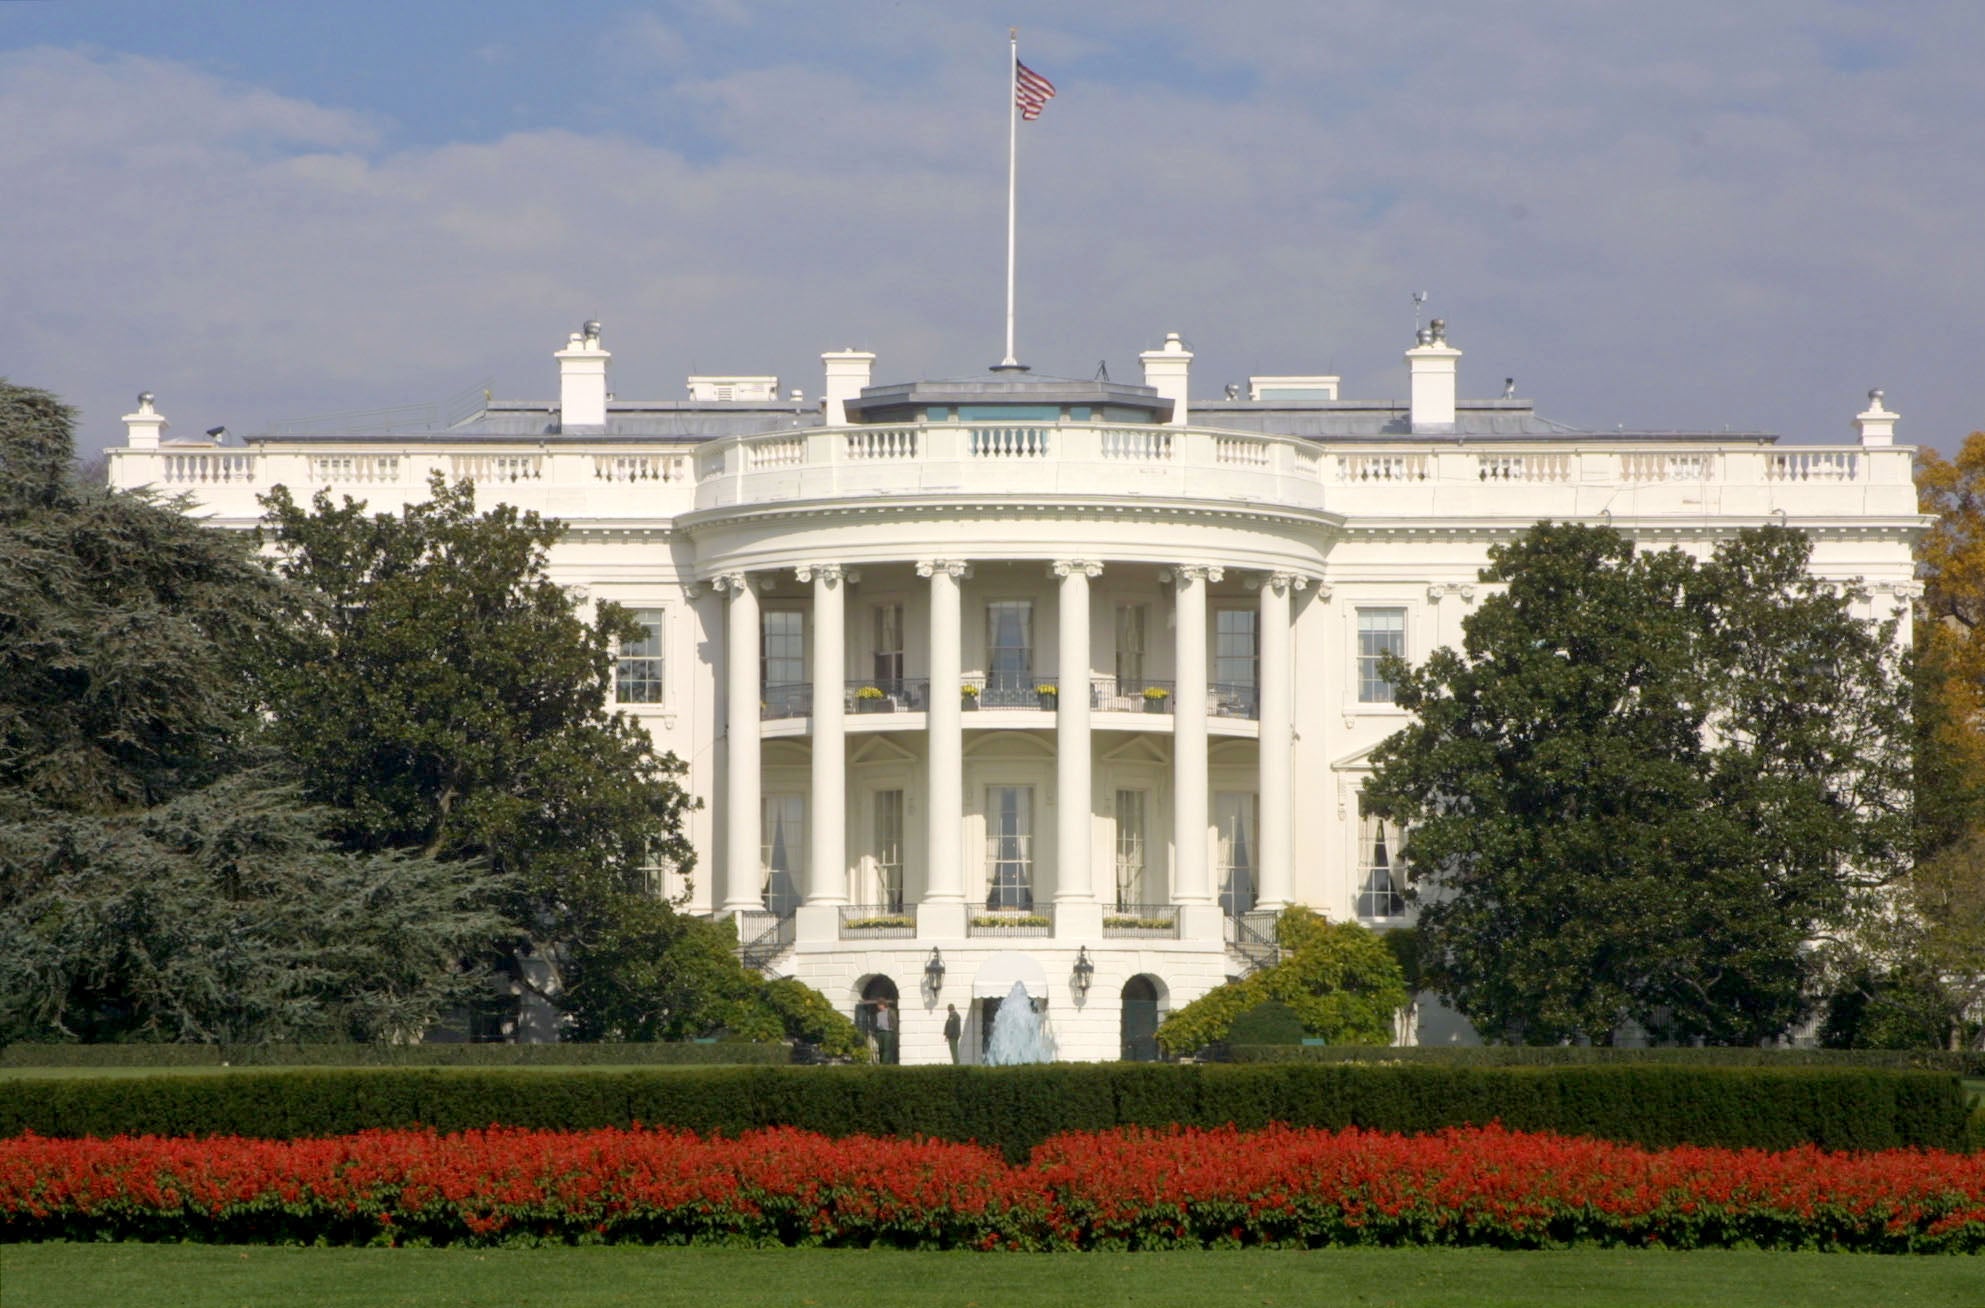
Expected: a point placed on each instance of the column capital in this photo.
(1463, 589)
(731, 583)
(952, 568)
(694, 589)
(1183, 572)
(828, 572)
(1278, 581)
(1068, 567)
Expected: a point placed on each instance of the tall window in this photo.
(889, 849)
(1234, 647)
(1010, 846)
(1380, 892)
(1233, 815)
(1380, 632)
(886, 639)
(782, 851)
(783, 648)
(1132, 620)
(637, 670)
(1130, 849)
(1010, 651)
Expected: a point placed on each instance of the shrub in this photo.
(1270, 1022)
(1339, 978)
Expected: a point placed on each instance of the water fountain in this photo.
(1017, 1036)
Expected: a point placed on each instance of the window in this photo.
(1132, 621)
(1380, 632)
(1233, 815)
(889, 849)
(1130, 849)
(886, 639)
(782, 851)
(637, 669)
(1380, 892)
(1010, 847)
(783, 670)
(1234, 648)
(1009, 652)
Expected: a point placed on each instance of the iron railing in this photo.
(1011, 922)
(1232, 699)
(1141, 922)
(1013, 690)
(1139, 695)
(792, 699)
(877, 922)
(897, 695)
(1252, 936)
(766, 935)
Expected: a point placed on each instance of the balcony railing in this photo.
(1141, 695)
(1037, 922)
(793, 699)
(1231, 699)
(900, 695)
(877, 922)
(1141, 922)
(1013, 690)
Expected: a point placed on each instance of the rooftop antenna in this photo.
(1102, 370)
(1419, 303)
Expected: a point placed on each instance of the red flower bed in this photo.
(1115, 1190)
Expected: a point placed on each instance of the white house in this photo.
(1066, 682)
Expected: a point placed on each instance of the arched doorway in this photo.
(1140, 1020)
(885, 1035)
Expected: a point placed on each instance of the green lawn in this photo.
(91, 1276)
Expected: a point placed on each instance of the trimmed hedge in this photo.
(1966, 1062)
(695, 1054)
(1017, 1108)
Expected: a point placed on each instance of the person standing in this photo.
(885, 1031)
(953, 1027)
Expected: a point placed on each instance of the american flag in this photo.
(1031, 91)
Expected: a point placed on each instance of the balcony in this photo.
(1141, 922)
(1142, 695)
(792, 702)
(877, 922)
(1037, 923)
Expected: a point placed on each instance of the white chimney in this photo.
(1165, 371)
(1876, 426)
(143, 428)
(582, 380)
(1430, 368)
(848, 372)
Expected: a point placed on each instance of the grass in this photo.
(89, 1276)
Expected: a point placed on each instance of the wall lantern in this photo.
(934, 971)
(1085, 971)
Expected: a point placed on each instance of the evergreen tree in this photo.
(1646, 786)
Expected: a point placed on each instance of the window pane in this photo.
(1234, 647)
(637, 673)
(887, 643)
(784, 647)
(1380, 632)
(889, 849)
(1010, 846)
(1130, 849)
(782, 861)
(1380, 892)
(1131, 620)
(1010, 646)
(1233, 815)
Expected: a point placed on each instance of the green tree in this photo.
(157, 879)
(1341, 981)
(1646, 786)
(448, 698)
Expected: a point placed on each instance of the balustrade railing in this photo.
(1525, 467)
(877, 922)
(785, 700)
(1010, 442)
(640, 467)
(1135, 444)
(871, 443)
(1383, 467)
(208, 468)
(1137, 695)
(1125, 921)
(496, 467)
(349, 469)
(1811, 465)
(775, 452)
(1232, 699)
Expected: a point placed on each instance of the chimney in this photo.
(1875, 427)
(1430, 368)
(143, 428)
(1165, 371)
(582, 381)
(848, 372)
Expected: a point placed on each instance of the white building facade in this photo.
(1071, 683)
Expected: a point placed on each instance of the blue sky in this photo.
(1689, 215)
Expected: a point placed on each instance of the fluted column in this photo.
(944, 791)
(827, 848)
(1074, 797)
(1190, 882)
(1277, 739)
(741, 888)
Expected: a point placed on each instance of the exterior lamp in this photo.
(934, 971)
(1085, 971)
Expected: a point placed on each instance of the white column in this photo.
(1191, 886)
(827, 853)
(1277, 739)
(1075, 894)
(941, 912)
(740, 888)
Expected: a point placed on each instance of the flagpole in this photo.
(1012, 178)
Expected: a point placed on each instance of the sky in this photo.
(1686, 215)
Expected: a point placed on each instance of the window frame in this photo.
(623, 658)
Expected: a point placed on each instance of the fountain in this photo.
(1017, 1036)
